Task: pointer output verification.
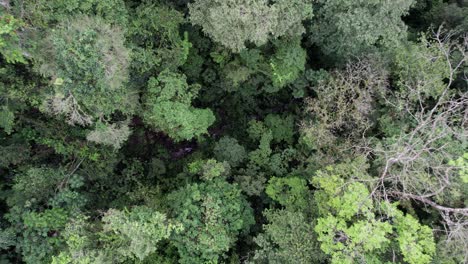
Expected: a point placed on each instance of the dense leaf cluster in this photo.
(233, 131)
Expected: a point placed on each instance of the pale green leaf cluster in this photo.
(136, 233)
(90, 58)
(121, 236)
(422, 67)
(111, 135)
(349, 28)
(462, 165)
(233, 23)
(210, 169)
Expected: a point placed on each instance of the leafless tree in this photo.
(416, 163)
(5, 4)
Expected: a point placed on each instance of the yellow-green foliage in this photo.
(9, 39)
(353, 228)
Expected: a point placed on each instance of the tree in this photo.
(125, 235)
(213, 214)
(228, 149)
(414, 163)
(46, 13)
(112, 135)
(10, 47)
(42, 202)
(342, 112)
(154, 30)
(87, 63)
(136, 233)
(291, 192)
(235, 22)
(343, 29)
(451, 14)
(282, 127)
(421, 68)
(210, 169)
(353, 228)
(40, 240)
(287, 62)
(233, 131)
(287, 237)
(168, 107)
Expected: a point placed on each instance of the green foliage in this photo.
(280, 162)
(210, 169)
(41, 204)
(128, 235)
(256, 129)
(7, 119)
(462, 165)
(154, 30)
(81, 244)
(242, 67)
(343, 108)
(261, 156)
(415, 240)
(287, 62)
(40, 239)
(9, 39)
(87, 61)
(13, 155)
(350, 229)
(111, 135)
(235, 22)
(251, 180)
(168, 107)
(422, 173)
(42, 13)
(282, 128)
(18, 92)
(135, 234)
(7, 238)
(288, 236)
(282, 67)
(289, 192)
(161, 132)
(36, 185)
(421, 67)
(349, 28)
(213, 214)
(228, 149)
(452, 14)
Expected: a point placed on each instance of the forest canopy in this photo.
(233, 131)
